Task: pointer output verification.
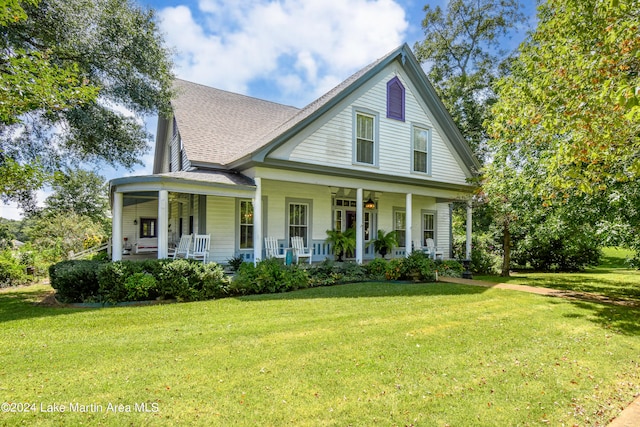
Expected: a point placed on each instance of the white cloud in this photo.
(309, 46)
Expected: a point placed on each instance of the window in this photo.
(246, 224)
(365, 139)
(148, 227)
(299, 221)
(400, 226)
(421, 145)
(428, 227)
(395, 99)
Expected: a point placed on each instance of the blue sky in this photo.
(286, 51)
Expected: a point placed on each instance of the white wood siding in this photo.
(443, 237)
(221, 222)
(330, 142)
(135, 212)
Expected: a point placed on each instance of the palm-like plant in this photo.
(342, 244)
(384, 242)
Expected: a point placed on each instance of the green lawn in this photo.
(611, 278)
(360, 354)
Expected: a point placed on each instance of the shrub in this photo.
(12, 271)
(140, 287)
(376, 269)
(322, 274)
(418, 266)
(395, 269)
(269, 276)
(449, 268)
(177, 280)
(75, 281)
(351, 272)
(213, 283)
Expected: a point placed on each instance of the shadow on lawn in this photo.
(370, 290)
(625, 320)
(25, 303)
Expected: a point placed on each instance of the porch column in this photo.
(257, 222)
(469, 225)
(116, 227)
(409, 225)
(163, 224)
(359, 225)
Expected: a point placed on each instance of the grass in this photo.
(612, 278)
(360, 354)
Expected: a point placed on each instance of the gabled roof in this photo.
(225, 129)
(217, 126)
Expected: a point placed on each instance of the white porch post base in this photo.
(359, 225)
(257, 222)
(116, 227)
(409, 225)
(163, 224)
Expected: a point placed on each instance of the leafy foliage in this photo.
(342, 244)
(572, 104)
(462, 48)
(384, 242)
(72, 72)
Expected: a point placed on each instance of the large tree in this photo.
(82, 192)
(463, 50)
(572, 101)
(76, 78)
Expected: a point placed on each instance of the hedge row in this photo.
(94, 281)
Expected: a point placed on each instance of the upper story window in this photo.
(421, 150)
(395, 99)
(365, 139)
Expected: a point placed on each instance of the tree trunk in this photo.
(506, 251)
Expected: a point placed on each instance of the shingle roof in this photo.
(216, 126)
(220, 127)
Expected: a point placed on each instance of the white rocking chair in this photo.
(182, 251)
(272, 249)
(299, 251)
(201, 244)
(433, 251)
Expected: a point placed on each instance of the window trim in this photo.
(241, 224)
(428, 153)
(395, 82)
(287, 223)
(376, 136)
(153, 225)
(433, 213)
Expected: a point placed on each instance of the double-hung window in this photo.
(299, 221)
(428, 227)
(365, 138)
(246, 224)
(421, 150)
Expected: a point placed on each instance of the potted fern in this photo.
(384, 242)
(342, 244)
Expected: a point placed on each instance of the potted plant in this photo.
(342, 244)
(384, 242)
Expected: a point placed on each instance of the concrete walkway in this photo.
(630, 417)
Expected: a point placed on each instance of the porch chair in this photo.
(271, 248)
(299, 251)
(433, 251)
(182, 251)
(201, 245)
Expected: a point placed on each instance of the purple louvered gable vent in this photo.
(395, 99)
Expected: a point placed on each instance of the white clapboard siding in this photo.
(221, 212)
(331, 142)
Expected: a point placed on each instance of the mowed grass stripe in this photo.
(360, 354)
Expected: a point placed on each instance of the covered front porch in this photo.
(151, 213)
